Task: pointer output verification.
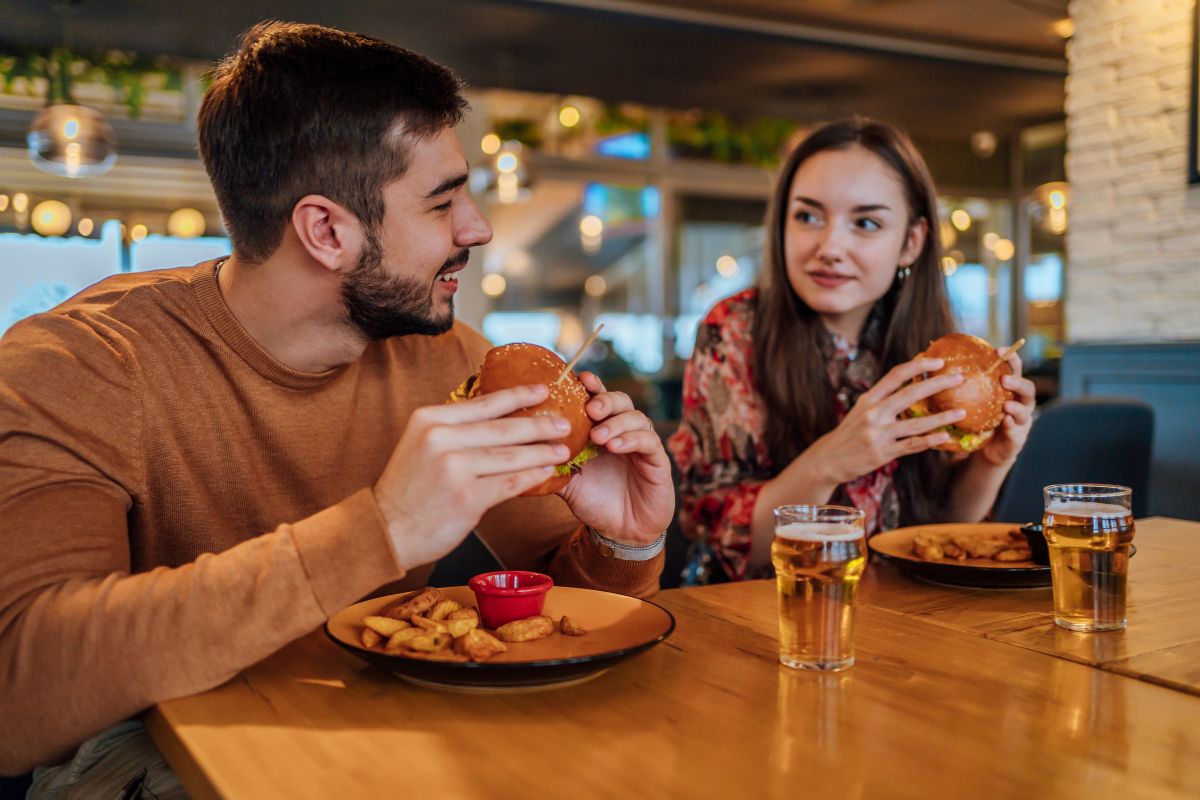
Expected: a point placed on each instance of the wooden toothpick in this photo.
(1014, 347)
(582, 350)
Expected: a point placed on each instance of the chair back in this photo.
(1085, 440)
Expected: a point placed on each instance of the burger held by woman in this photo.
(813, 387)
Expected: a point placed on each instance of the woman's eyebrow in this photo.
(863, 209)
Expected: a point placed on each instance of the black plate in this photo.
(893, 546)
(618, 627)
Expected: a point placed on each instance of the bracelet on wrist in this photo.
(627, 552)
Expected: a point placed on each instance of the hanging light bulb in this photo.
(66, 139)
(72, 141)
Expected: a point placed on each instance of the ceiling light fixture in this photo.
(67, 139)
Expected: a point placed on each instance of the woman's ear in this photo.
(331, 234)
(914, 242)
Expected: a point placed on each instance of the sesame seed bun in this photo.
(522, 364)
(980, 394)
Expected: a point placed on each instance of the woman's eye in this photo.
(869, 224)
(806, 217)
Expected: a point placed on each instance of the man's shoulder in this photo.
(121, 299)
(105, 320)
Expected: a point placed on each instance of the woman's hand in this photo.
(1001, 450)
(873, 434)
(625, 492)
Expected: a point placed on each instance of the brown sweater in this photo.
(176, 504)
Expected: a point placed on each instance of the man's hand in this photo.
(625, 492)
(456, 461)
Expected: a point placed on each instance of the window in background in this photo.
(162, 252)
(37, 273)
(720, 250)
(570, 256)
(977, 239)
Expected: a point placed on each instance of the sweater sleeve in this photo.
(84, 643)
(715, 449)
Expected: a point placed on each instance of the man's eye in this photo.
(444, 206)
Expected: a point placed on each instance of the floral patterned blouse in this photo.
(720, 448)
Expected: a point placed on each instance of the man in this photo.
(200, 465)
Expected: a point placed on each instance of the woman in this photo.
(795, 391)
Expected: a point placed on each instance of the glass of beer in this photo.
(819, 554)
(1089, 530)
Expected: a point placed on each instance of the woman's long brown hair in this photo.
(790, 370)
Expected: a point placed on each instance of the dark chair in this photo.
(1088, 440)
(472, 557)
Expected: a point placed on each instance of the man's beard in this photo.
(382, 306)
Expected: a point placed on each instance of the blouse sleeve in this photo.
(717, 447)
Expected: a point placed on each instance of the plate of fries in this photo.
(983, 554)
(433, 637)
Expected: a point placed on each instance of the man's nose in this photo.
(472, 229)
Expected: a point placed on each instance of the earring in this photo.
(903, 271)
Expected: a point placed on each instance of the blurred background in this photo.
(624, 152)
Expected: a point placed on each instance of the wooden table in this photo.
(956, 693)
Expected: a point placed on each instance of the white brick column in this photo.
(1134, 238)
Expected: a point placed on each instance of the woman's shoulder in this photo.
(735, 309)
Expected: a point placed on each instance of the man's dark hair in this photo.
(305, 109)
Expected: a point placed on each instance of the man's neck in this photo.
(292, 307)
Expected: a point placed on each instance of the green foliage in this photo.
(130, 75)
(759, 140)
(524, 130)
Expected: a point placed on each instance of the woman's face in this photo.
(845, 233)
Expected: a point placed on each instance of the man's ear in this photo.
(330, 233)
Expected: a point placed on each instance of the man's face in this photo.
(404, 282)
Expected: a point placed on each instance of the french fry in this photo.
(384, 626)
(430, 642)
(459, 627)
(570, 627)
(525, 630)
(413, 603)
(428, 625)
(443, 609)
(464, 613)
(370, 638)
(478, 645)
(400, 638)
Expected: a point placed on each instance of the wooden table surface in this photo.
(956, 693)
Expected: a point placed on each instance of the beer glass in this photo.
(819, 554)
(1089, 530)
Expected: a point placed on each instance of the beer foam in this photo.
(819, 532)
(1082, 508)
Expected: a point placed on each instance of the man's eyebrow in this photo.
(448, 185)
(808, 201)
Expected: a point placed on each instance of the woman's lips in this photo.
(829, 280)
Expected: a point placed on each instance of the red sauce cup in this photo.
(509, 595)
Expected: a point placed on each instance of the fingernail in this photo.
(959, 413)
(561, 424)
(602, 431)
(561, 451)
(617, 442)
(547, 471)
(541, 388)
